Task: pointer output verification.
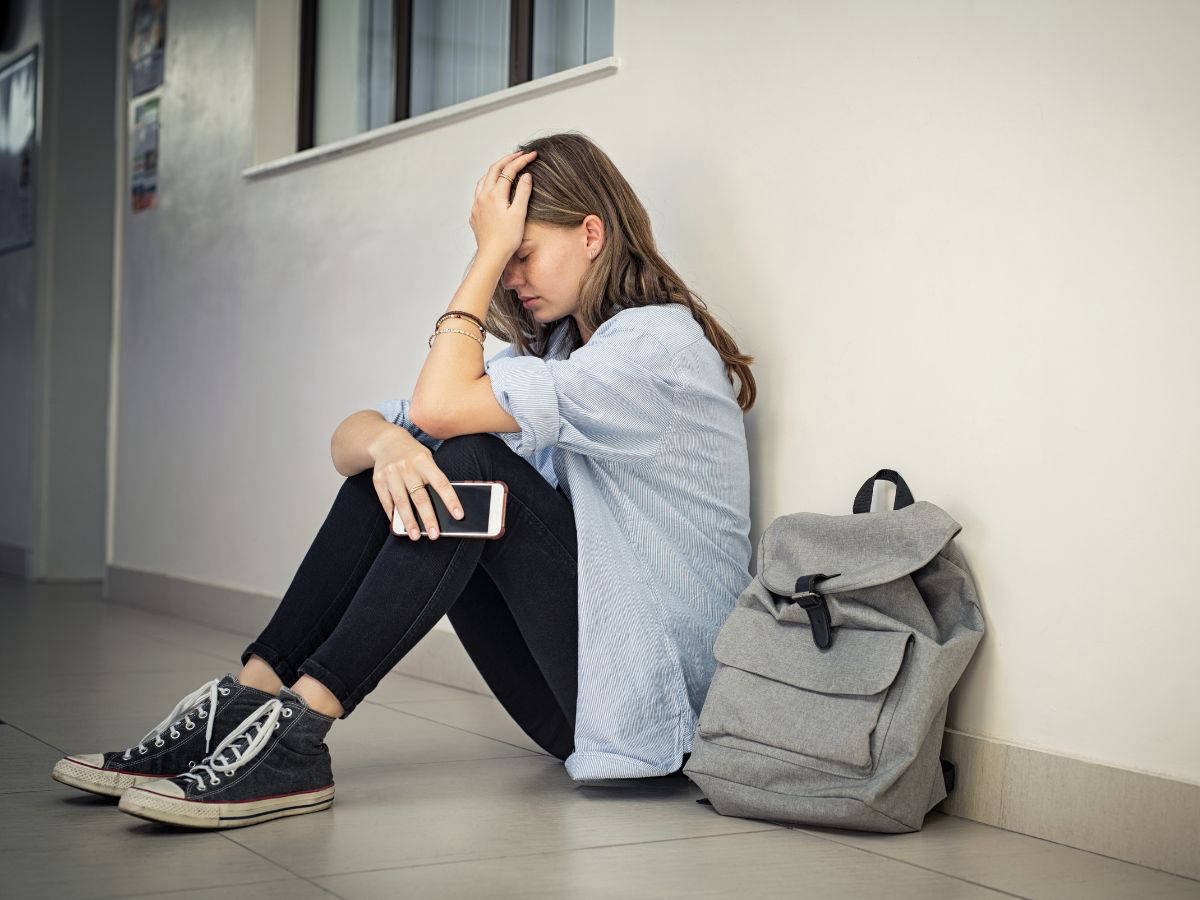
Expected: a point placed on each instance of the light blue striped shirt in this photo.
(641, 428)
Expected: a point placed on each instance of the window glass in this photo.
(570, 33)
(447, 51)
(355, 68)
(459, 51)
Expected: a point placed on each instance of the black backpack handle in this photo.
(904, 497)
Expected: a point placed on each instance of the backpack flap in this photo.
(776, 688)
(863, 550)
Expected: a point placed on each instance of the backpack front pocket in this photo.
(776, 687)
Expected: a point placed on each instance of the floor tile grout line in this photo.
(192, 647)
(135, 611)
(439, 683)
(279, 865)
(131, 611)
(906, 862)
(465, 730)
(206, 887)
(394, 703)
(53, 747)
(44, 790)
(437, 762)
(321, 887)
(165, 669)
(1038, 837)
(475, 859)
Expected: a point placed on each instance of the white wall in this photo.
(960, 239)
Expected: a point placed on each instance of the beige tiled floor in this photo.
(439, 794)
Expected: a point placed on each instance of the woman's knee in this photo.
(483, 443)
(464, 456)
(358, 496)
(361, 484)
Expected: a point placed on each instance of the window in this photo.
(368, 63)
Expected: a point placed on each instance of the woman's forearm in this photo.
(455, 361)
(352, 441)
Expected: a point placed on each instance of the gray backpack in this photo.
(829, 698)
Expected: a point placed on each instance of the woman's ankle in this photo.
(257, 674)
(318, 697)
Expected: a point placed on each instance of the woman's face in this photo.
(550, 264)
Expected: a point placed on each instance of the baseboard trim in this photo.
(14, 561)
(439, 656)
(1134, 816)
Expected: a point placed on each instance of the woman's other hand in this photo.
(499, 225)
(402, 463)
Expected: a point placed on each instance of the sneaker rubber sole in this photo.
(78, 772)
(148, 804)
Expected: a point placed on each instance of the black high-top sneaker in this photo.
(172, 746)
(275, 763)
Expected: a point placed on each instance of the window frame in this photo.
(520, 60)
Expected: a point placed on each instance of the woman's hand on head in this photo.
(498, 224)
(402, 463)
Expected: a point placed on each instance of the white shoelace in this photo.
(207, 691)
(255, 729)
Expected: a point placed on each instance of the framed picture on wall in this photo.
(143, 179)
(18, 126)
(147, 44)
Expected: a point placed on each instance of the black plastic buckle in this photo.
(817, 608)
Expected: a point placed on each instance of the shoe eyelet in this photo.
(158, 742)
(190, 726)
(141, 751)
(191, 765)
(214, 782)
(224, 691)
(174, 733)
(199, 787)
(276, 727)
(203, 714)
(287, 713)
(125, 756)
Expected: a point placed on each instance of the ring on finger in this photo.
(433, 532)
(414, 530)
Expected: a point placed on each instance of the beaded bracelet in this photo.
(461, 315)
(453, 331)
(457, 314)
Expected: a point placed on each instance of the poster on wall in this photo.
(147, 44)
(143, 179)
(18, 118)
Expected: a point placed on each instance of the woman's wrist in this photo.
(490, 259)
(387, 433)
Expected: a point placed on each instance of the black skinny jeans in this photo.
(363, 597)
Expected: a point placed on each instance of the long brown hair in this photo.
(573, 178)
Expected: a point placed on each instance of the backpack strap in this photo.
(904, 497)
(814, 604)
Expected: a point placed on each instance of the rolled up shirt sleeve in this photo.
(396, 412)
(613, 398)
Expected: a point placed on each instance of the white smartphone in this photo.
(483, 505)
